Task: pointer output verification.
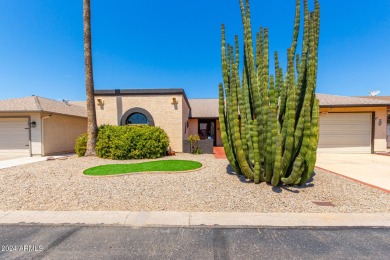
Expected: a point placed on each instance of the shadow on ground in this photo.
(277, 189)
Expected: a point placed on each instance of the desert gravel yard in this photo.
(60, 185)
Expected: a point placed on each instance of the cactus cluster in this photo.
(269, 122)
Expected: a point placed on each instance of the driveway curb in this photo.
(196, 219)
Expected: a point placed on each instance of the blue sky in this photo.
(176, 44)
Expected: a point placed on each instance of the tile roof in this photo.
(78, 103)
(377, 97)
(204, 108)
(346, 101)
(208, 108)
(40, 104)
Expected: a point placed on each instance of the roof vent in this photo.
(374, 93)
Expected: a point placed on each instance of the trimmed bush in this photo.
(131, 142)
(81, 145)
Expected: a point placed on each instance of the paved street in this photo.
(118, 242)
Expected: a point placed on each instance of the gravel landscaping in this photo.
(60, 185)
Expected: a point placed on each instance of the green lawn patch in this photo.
(154, 166)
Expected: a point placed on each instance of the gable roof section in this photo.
(204, 108)
(346, 101)
(40, 104)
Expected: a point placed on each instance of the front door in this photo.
(207, 129)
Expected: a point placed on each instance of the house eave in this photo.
(38, 111)
(354, 105)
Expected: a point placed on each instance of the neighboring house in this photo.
(384, 98)
(347, 124)
(352, 124)
(35, 125)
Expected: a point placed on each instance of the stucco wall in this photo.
(186, 113)
(193, 129)
(166, 115)
(60, 133)
(380, 142)
(35, 140)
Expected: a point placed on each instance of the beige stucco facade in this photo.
(59, 133)
(193, 126)
(170, 116)
(379, 124)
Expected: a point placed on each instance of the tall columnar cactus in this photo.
(269, 123)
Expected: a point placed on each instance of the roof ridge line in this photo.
(38, 103)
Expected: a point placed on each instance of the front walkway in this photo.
(370, 169)
(219, 152)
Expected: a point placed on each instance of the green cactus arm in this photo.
(245, 167)
(224, 136)
(278, 162)
(298, 168)
(257, 171)
(299, 163)
(296, 26)
(268, 157)
(314, 136)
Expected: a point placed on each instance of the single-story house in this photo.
(347, 124)
(37, 126)
(40, 126)
(169, 109)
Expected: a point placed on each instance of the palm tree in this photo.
(91, 112)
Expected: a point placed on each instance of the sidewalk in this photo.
(197, 219)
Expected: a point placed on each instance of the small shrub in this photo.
(131, 142)
(194, 149)
(197, 150)
(81, 145)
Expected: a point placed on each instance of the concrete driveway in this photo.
(371, 169)
(5, 157)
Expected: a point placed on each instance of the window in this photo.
(137, 116)
(137, 119)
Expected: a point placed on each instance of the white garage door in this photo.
(14, 137)
(345, 133)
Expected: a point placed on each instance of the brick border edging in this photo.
(361, 182)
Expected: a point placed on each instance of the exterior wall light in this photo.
(33, 124)
(100, 101)
(174, 101)
(380, 122)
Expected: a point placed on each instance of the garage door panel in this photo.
(14, 137)
(353, 130)
(345, 133)
(355, 139)
(344, 121)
